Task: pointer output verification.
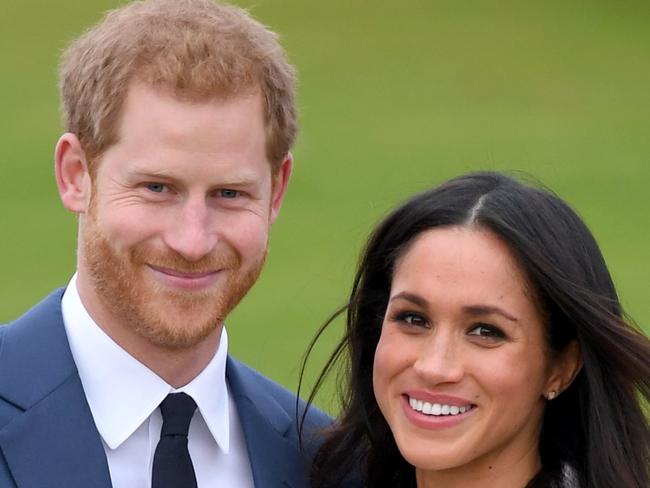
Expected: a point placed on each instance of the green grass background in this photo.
(394, 97)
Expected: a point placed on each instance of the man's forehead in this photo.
(190, 94)
(147, 106)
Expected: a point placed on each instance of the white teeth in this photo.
(437, 408)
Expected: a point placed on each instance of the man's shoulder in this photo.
(256, 384)
(34, 353)
(45, 420)
(35, 329)
(47, 309)
(278, 440)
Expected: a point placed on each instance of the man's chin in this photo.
(176, 330)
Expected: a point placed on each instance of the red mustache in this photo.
(223, 258)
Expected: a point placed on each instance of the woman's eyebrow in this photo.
(475, 310)
(410, 297)
(472, 310)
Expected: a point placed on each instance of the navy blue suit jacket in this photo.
(47, 435)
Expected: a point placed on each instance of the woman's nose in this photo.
(440, 360)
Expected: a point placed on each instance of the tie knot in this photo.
(177, 410)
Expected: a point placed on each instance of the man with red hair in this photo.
(179, 120)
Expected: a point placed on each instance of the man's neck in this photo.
(176, 366)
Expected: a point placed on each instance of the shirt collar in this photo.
(122, 392)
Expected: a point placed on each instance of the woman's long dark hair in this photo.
(597, 429)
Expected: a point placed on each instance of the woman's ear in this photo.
(72, 177)
(566, 367)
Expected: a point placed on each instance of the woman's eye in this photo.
(487, 331)
(411, 318)
(226, 193)
(156, 187)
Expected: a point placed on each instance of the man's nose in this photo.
(440, 359)
(190, 233)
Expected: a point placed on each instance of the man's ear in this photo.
(72, 177)
(280, 184)
(566, 367)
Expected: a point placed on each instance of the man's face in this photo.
(177, 225)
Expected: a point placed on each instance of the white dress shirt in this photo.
(124, 396)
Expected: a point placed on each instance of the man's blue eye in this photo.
(228, 193)
(156, 187)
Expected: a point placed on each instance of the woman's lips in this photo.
(431, 411)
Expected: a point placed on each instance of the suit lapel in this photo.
(274, 455)
(55, 443)
(52, 439)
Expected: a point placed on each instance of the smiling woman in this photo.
(461, 368)
(486, 346)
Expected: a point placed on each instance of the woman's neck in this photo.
(499, 473)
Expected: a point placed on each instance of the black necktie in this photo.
(172, 465)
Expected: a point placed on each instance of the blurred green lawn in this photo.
(395, 97)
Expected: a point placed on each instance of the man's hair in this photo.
(197, 49)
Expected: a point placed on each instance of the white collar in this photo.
(122, 392)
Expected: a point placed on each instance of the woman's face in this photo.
(461, 367)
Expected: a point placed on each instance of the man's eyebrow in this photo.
(152, 173)
(242, 180)
(476, 310)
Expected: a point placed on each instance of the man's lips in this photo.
(182, 274)
(191, 280)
